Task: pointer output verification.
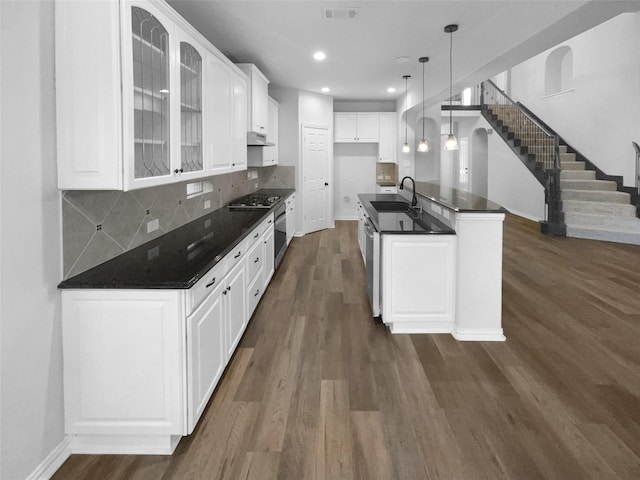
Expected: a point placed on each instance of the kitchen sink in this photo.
(390, 206)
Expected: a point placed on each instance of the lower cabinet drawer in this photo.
(254, 294)
(254, 261)
(206, 285)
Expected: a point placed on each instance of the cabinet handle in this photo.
(257, 293)
(178, 170)
(228, 288)
(224, 292)
(256, 235)
(256, 260)
(211, 283)
(270, 221)
(239, 253)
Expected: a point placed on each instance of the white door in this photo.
(316, 186)
(463, 164)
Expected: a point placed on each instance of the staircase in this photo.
(595, 209)
(578, 204)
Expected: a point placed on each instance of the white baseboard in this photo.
(479, 335)
(124, 444)
(524, 215)
(52, 462)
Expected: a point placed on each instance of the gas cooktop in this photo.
(254, 201)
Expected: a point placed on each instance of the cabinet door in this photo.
(418, 274)
(291, 220)
(259, 102)
(191, 107)
(206, 353)
(368, 127)
(236, 306)
(345, 127)
(268, 243)
(387, 141)
(270, 154)
(89, 133)
(148, 87)
(239, 122)
(218, 128)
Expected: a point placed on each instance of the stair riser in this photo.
(567, 157)
(600, 185)
(618, 237)
(572, 165)
(603, 221)
(596, 196)
(599, 208)
(577, 175)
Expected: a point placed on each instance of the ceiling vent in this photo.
(339, 13)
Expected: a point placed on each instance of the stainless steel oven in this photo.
(280, 232)
(372, 265)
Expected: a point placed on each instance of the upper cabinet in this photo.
(356, 127)
(361, 127)
(258, 103)
(387, 142)
(267, 156)
(135, 107)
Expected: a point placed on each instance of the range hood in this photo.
(255, 139)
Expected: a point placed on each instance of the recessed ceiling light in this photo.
(319, 56)
(325, 89)
(402, 59)
(391, 90)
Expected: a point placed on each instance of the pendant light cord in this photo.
(406, 105)
(450, 80)
(423, 100)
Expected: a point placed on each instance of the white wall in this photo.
(354, 172)
(601, 115)
(30, 248)
(298, 108)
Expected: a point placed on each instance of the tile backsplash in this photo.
(99, 225)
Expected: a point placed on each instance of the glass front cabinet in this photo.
(159, 80)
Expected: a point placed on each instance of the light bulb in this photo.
(451, 143)
(406, 148)
(423, 146)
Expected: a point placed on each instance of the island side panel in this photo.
(479, 276)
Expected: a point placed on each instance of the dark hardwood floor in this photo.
(318, 390)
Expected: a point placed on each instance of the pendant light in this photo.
(423, 146)
(452, 141)
(406, 148)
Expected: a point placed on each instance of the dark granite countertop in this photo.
(456, 200)
(401, 222)
(177, 259)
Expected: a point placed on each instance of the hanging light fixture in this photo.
(406, 148)
(423, 146)
(452, 141)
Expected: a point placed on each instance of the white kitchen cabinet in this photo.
(124, 370)
(418, 283)
(257, 99)
(235, 304)
(387, 138)
(356, 127)
(206, 351)
(267, 156)
(239, 122)
(268, 243)
(218, 128)
(362, 218)
(290, 218)
(131, 104)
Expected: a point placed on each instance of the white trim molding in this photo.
(52, 462)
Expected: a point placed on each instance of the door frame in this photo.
(300, 208)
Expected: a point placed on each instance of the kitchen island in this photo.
(450, 282)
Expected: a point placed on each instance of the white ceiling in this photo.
(281, 36)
